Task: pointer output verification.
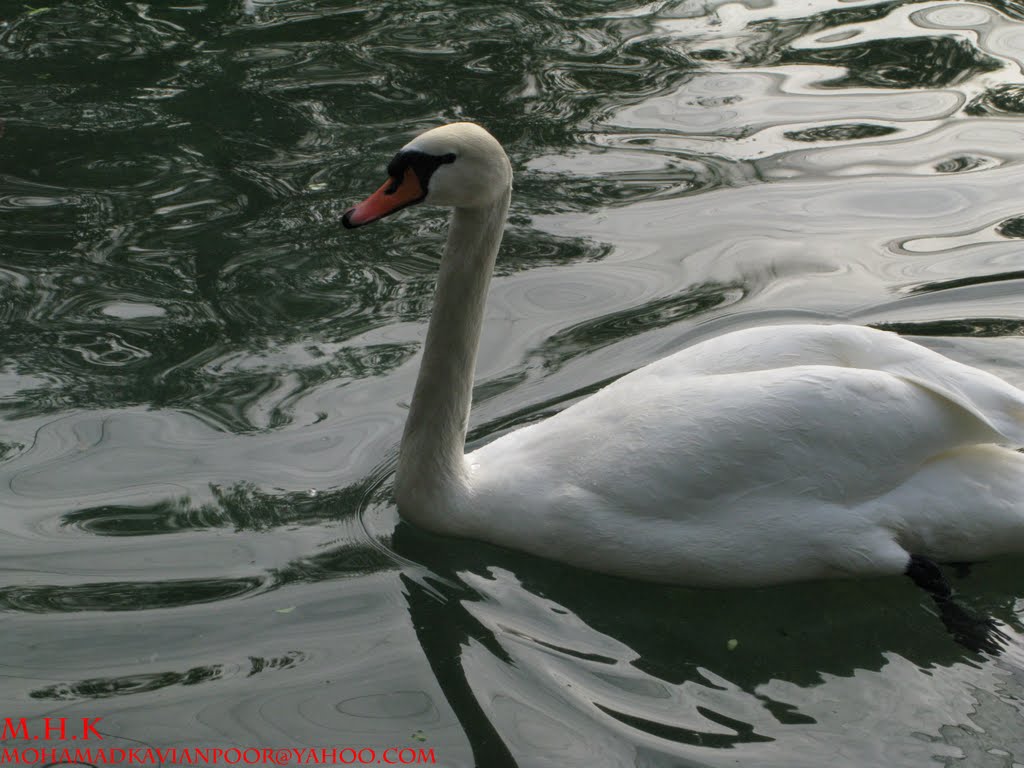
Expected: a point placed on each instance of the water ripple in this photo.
(103, 688)
(123, 596)
(1006, 99)
(202, 372)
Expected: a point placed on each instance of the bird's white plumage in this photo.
(766, 455)
(762, 456)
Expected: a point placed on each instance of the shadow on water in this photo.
(798, 634)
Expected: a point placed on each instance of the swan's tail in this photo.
(964, 505)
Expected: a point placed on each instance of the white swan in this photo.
(763, 456)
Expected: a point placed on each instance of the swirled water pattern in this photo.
(203, 378)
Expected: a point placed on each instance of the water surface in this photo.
(204, 377)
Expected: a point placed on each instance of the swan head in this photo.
(459, 165)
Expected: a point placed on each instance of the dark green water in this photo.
(204, 377)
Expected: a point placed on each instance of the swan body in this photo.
(762, 456)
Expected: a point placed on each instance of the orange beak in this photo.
(393, 196)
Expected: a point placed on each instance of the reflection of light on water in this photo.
(251, 7)
(127, 310)
(202, 373)
(597, 683)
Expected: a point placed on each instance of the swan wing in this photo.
(989, 398)
(832, 413)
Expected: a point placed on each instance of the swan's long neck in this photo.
(432, 486)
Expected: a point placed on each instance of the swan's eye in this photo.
(423, 165)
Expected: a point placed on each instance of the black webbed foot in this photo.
(977, 633)
(974, 632)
